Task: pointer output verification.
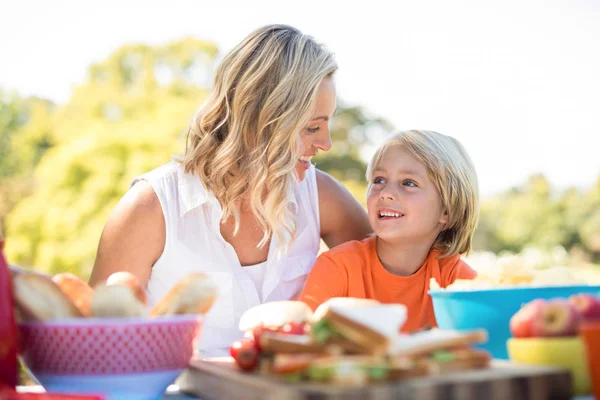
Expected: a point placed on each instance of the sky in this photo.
(517, 82)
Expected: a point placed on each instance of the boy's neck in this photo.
(401, 260)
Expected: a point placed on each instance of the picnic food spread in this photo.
(351, 341)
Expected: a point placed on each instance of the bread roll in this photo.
(275, 314)
(78, 291)
(115, 301)
(193, 294)
(38, 298)
(128, 279)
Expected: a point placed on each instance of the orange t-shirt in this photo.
(354, 270)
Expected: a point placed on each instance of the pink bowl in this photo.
(110, 353)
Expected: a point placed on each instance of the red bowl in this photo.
(591, 337)
(109, 355)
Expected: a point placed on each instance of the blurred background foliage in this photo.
(63, 168)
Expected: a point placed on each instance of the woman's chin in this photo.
(300, 173)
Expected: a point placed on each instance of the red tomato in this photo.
(294, 328)
(245, 354)
(256, 332)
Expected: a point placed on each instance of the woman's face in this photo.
(316, 135)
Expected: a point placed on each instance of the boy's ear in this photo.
(444, 217)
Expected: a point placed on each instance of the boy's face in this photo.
(403, 203)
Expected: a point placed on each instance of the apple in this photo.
(520, 323)
(555, 318)
(587, 305)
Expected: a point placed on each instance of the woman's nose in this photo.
(323, 141)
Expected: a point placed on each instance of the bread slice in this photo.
(427, 341)
(193, 294)
(114, 301)
(78, 291)
(370, 328)
(38, 298)
(274, 342)
(275, 314)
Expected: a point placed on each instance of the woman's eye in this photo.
(410, 183)
(313, 130)
(378, 180)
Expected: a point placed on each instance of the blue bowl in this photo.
(492, 309)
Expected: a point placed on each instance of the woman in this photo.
(243, 204)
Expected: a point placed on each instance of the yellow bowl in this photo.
(568, 353)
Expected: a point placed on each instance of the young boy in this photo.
(423, 206)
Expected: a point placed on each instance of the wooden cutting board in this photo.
(220, 379)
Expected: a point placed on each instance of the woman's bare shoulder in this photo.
(133, 237)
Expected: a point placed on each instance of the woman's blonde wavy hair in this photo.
(452, 172)
(245, 140)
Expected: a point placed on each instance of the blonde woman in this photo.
(244, 203)
(423, 205)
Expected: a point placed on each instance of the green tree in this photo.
(127, 118)
(26, 133)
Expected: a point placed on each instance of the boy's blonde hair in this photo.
(245, 140)
(452, 172)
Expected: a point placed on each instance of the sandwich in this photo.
(358, 326)
(280, 327)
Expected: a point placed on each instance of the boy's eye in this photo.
(313, 130)
(378, 179)
(410, 183)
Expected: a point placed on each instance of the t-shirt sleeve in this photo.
(327, 279)
(460, 270)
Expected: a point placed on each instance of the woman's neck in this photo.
(400, 259)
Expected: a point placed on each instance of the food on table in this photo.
(38, 298)
(587, 305)
(245, 354)
(543, 318)
(286, 317)
(193, 294)
(350, 341)
(115, 301)
(358, 328)
(78, 291)
(515, 275)
(556, 317)
(128, 279)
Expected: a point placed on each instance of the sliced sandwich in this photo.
(358, 326)
(438, 351)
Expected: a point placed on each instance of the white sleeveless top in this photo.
(194, 244)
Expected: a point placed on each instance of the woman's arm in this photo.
(343, 218)
(133, 237)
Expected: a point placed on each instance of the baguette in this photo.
(115, 301)
(38, 298)
(128, 279)
(193, 294)
(78, 291)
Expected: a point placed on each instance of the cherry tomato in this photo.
(245, 354)
(294, 328)
(257, 332)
